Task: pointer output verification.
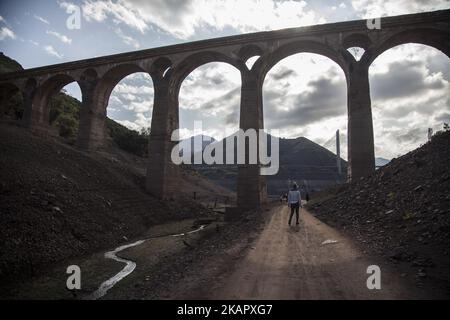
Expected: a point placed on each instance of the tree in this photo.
(145, 131)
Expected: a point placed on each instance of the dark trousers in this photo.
(294, 207)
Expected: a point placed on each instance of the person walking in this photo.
(294, 202)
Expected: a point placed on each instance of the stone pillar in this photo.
(40, 110)
(92, 127)
(361, 157)
(36, 110)
(27, 118)
(163, 176)
(251, 186)
(7, 93)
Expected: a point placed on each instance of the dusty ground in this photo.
(291, 263)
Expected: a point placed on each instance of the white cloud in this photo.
(114, 100)
(380, 8)
(401, 115)
(250, 16)
(120, 11)
(143, 121)
(208, 83)
(182, 18)
(63, 38)
(128, 96)
(131, 101)
(141, 106)
(127, 39)
(5, 33)
(124, 88)
(68, 6)
(51, 51)
(39, 18)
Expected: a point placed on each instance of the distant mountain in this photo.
(379, 162)
(301, 160)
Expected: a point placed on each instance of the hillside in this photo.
(57, 202)
(8, 65)
(401, 211)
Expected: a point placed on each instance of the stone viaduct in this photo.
(168, 67)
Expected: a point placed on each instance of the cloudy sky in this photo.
(304, 95)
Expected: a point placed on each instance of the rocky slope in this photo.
(402, 212)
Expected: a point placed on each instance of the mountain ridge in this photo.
(302, 160)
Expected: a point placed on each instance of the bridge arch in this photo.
(250, 54)
(111, 78)
(88, 75)
(410, 85)
(192, 62)
(161, 68)
(40, 103)
(249, 51)
(305, 95)
(267, 61)
(92, 134)
(220, 77)
(357, 40)
(435, 38)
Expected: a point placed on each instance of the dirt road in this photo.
(292, 263)
(268, 261)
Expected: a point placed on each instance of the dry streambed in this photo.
(103, 274)
(130, 265)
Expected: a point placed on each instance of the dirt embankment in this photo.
(401, 212)
(57, 202)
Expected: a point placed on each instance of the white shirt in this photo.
(294, 196)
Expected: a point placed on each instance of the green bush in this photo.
(68, 126)
(129, 140)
